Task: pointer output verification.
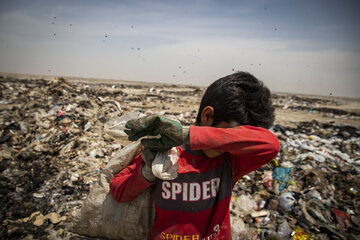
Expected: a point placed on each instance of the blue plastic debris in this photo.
(283, 176)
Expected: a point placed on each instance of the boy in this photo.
(228, 141)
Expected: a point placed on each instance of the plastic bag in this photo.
(245, 203)
(102, 217)
(237, 227)
(267, 179)
(284, 230)
(283, 176)
(165, 164)
(115, 127)
(286, 201)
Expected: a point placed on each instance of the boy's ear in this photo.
(207, 116)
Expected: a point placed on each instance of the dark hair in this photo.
(239, 97)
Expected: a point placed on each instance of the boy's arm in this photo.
(129, 183)
(249, 147)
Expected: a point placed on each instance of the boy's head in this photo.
(237, 99)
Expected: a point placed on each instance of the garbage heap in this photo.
(310, 191)
(314, 105)
(56, 136)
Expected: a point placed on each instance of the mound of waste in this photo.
(57, 136)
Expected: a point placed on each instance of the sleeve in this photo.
(129, 183)
(249, 147)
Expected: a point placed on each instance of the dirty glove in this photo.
(171, 132)
(148, 155)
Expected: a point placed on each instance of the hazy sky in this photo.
(293, 46)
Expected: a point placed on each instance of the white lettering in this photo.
(175, 189)
(165, 187)
(206, 189)
(214, 234)
(195, 192)
(185, 191)
(216, 228)
(215, 182)
(190, 191)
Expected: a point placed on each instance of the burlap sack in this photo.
(101, 216)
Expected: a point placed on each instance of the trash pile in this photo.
(314, 105)
(310, 191)
(56, 137)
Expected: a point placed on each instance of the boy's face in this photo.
(213, 153)
(207, 120)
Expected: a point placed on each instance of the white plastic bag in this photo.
(165, 164)
(286, 201)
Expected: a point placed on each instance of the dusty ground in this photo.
(288, 117)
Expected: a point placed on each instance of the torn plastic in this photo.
(287, 201)
(165, 165)
(283, 176)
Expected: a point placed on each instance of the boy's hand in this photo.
(171, 132)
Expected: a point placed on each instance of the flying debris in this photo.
(106, 35)
(275, 29)
(132, 26)
(52, 23)
(233, 69)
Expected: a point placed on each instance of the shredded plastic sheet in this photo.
(283, 176)
(165, 164)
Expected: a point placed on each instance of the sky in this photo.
(308, 46)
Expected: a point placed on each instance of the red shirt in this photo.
(195, 205)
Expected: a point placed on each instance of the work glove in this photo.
(171, 132)
(148, 157)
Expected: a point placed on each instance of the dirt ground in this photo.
(289, 118)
